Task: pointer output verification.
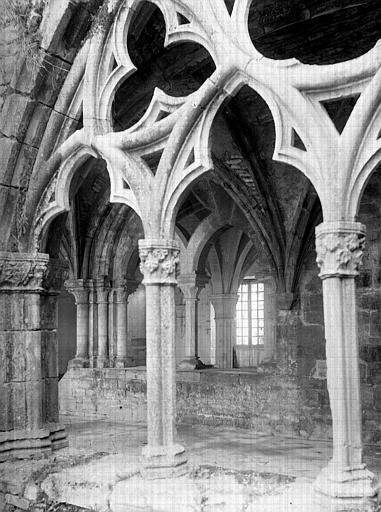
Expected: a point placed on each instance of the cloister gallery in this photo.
(190, 225)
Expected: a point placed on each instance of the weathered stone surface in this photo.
(15, 115)
(9, 149)
(37, 125)
(180, 494)
(17, 501)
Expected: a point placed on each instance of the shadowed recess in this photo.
(340, 110)
(177, 70)
(315, 31)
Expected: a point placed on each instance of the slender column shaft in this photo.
(102, 292)
(123, 289)
(225, 318)
(161, 457)
(92, 341)
(168, 363)
(82, 329)
(154, 370)
(102, 322)
(191, 285)
(343, 378)
(345, 484)
(121, 325)
(79, 288)
(190, 326)
(111, 335)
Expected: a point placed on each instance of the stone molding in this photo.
(340, 248)
(23, 271)
(159, 261)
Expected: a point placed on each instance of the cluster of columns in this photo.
(29, 319)
(102, 322)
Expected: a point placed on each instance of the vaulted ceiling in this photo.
(279, 204)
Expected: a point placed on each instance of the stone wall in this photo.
(264, 402)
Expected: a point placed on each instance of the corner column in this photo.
(28, 354)
(225, 315)
(162, 457)
(346, 483)
(79, 288)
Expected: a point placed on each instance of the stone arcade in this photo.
(190, 225)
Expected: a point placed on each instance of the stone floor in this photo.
(231, 470)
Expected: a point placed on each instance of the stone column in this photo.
(111, 334)
(123, 288)
(79, 288)
(161, 457)
(225, 315)
(191, 285)
(28, 354)
(346, 483)
(92, 325)
(102, 291)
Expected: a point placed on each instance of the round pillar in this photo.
(162, 457)
(346, 483)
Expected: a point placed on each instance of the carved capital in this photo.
(80, 289)
(124, 287)
(339, 247)
(192, 284)
(22, 271)
(57, 273)
(224, 305)
(159, 261)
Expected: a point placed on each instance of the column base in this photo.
(163, 462)
(341, 490)
(78, 362)
(123, 362)
(22, 444)
(101, 362)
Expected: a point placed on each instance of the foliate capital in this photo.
(340, 247)
(159, 261)
(22, 271)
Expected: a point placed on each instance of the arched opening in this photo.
(101, 305)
